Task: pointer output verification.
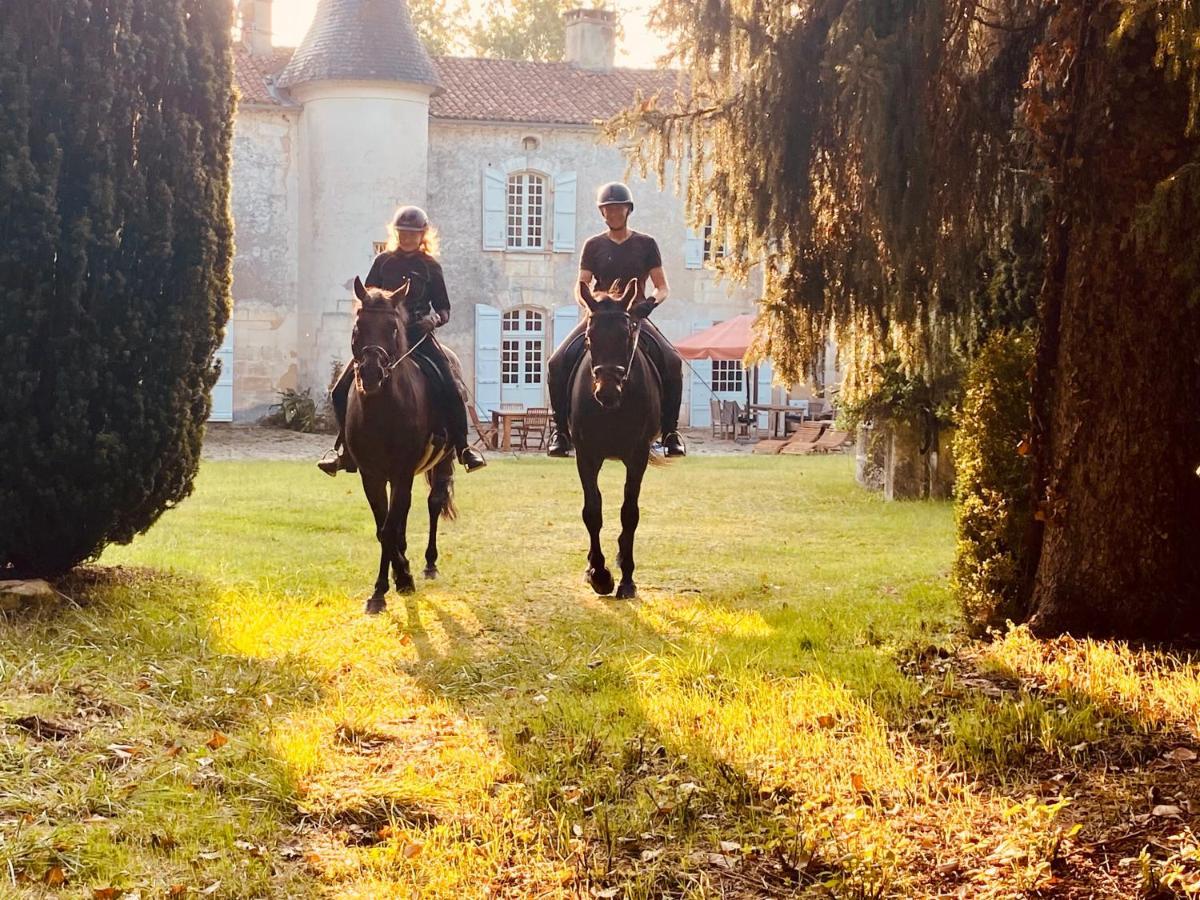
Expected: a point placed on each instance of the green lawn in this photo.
(776, 714)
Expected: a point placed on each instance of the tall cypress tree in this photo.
(115, 247)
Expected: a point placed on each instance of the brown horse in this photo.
(616, 401)
(391, 432)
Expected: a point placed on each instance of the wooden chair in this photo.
(534, 428)
(714, 406)
(737, 421)
(487, 435)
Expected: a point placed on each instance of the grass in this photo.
(785, 710)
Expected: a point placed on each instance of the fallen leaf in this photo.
(217, 741)
(204, 761)
(1181, 754)
(209, 854)
(45, 728)
(858, 783)
(177, 890)
(268, 701)
(1024, 447)
(608, 893)
(243, 845)
(1167, 810)
(540, 698)
(651, 855)
(211, 889)
(108, 893)
(55, 877)
(825, 721)
(730, 846)
(173, 751)
(577, 830)
(405, 640)
(122, 751)
(413, 850)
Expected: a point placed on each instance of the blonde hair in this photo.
(429, 240)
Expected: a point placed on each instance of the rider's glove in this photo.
(643, 308)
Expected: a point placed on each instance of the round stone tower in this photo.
(364, 81)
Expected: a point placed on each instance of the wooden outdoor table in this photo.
(503, 419)
(777, 415)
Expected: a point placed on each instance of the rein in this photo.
(389, 365)
(637, 333)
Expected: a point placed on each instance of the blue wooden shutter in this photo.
(565, 318)
(564, 212)
(495, 207)
(699, 411)
(764, 390)
(693, 251)
(487, 359)
(222, 392)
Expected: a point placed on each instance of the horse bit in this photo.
(636, 328)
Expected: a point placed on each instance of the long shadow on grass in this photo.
(131, 749)
(641, 743)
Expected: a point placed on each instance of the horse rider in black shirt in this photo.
(614, 258)
(409, 257)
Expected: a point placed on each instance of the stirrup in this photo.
(330, 462)
(674, 447)
(471, 459)
(560, 445)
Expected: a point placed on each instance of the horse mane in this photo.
(380, 301)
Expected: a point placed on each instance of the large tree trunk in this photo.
(1118, 386)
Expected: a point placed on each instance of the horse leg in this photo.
(440, 487)
(376, 490)
(598, 575)
(630, 515)
(398, 521)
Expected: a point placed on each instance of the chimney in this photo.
(256, 26)
(591, 38)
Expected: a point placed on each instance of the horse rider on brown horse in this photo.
(609, 261)
(409, 258)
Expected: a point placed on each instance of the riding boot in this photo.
(456, 422)
(558, 375)
(339, 458)
(672, 382)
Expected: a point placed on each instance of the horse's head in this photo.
(378, 339)
(612, 331)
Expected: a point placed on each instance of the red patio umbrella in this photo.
(725, 340)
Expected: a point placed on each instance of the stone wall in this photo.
(264, 203)
(545, 279)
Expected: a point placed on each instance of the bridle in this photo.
(385, 358)
(635, 328)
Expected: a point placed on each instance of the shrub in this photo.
(993, 483)
(115, 245)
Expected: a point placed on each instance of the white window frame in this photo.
(522, 347)
(728, 376)
(712, 251)
(525, 223)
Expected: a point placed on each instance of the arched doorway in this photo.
(523, 357)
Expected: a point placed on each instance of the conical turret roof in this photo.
(361, 40)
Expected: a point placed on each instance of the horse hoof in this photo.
(601, 581)
(406, 587)
(376, 605)
(626, 590)
(431, 574)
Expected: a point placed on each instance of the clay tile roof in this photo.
(361, 40)
(252, 72)
(502, 90)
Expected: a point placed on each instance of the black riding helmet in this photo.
(614, 192)
(410, 218)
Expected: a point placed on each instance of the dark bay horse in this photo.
(616, 400)
(391, 426)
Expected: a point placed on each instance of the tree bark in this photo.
(1119, 496)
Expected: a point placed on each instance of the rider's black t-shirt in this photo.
(611, 262)
(390, 269)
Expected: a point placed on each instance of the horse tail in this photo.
(441, 486)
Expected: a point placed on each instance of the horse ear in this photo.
(360, 292)
(630, 296)
(585, 294)
(397, 296)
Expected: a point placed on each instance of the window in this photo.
(727, 376)
(378, 247)
(712, 250)
(526, 209)
(522, 347)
